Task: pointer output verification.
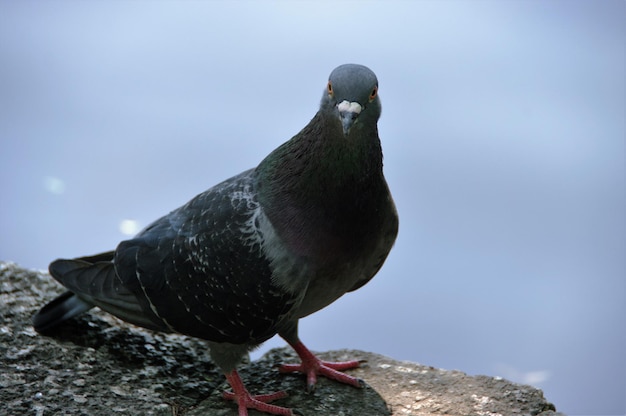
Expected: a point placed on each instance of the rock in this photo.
(99, 365)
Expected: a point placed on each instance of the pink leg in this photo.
(313, 366)
(246, 401)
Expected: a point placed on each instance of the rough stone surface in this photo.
(98, 365)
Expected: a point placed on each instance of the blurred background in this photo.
(502, 128)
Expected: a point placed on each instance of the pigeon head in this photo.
(351, 97)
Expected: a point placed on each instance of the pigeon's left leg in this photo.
(246, 401)
(313, 366)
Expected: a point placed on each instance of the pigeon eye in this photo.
(373, 93)
(329, 88)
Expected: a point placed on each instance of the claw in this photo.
(246, 401)
(313, 366)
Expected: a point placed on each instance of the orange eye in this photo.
(373, 93)
(329, 88)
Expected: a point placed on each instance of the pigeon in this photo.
(249, 257)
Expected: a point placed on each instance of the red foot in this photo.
(246, 401)
(313, 366)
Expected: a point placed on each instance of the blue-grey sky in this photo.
(503, 133)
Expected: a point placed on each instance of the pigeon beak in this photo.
(348, 113)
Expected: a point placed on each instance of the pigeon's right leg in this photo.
(246, 401)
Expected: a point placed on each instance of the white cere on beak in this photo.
(351, 107)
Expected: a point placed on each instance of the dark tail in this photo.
(67, 305)
(64, 307)
(92, 281)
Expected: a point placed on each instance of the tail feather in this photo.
(92, 281)
(60, 309)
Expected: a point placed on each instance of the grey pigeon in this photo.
(249, 257)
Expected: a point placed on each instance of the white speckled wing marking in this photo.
(205, 269)
(287, 271)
